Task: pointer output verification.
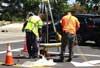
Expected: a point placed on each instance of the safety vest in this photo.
(70, 24)
(34, 23)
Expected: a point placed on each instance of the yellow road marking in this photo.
(1, 63)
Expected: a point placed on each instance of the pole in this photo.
(51, 15)
(58, 35)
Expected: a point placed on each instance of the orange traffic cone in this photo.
(25, 47)
(9, 57)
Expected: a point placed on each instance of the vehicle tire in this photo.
(97, 42)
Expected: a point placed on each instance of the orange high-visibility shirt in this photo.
(70, 24)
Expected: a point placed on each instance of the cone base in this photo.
(8, 64)
(9, 60)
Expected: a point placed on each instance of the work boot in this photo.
(69, 60)
(70, 57)
(61, 59)
(58, 60)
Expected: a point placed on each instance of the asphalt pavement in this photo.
(87, 56)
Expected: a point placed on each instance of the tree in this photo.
(96, 1)
(20, 8)
(88, 4)
(78, 9)
(59, 8)
(10, 8)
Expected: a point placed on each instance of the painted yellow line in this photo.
(1, 63)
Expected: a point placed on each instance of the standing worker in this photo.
(70, 26)
(32, 28)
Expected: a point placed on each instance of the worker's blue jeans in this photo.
(31, 42)
(67, 39)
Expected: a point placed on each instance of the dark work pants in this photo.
(67, 39)
(31, 42)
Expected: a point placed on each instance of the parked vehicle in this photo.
(48, 34)
(89, 28)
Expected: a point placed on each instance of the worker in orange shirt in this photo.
(70, 26)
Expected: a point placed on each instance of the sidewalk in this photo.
(15, 27)
(13, 33)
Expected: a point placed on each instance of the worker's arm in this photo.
(40, 24)
(24, 26)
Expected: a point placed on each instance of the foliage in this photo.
(84, 2)
(98, 10)
(59, 9)
(77, 8)
(17, 10)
